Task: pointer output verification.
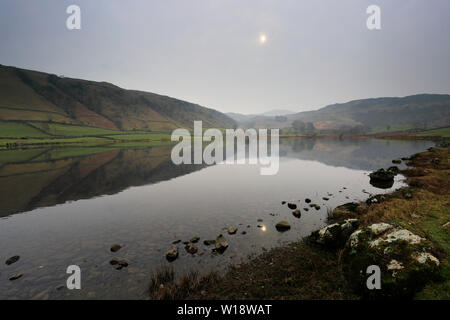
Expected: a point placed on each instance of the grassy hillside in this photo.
(424, 111)
(32, 97)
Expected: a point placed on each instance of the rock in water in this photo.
(118, 263)
(12, 260)
(115, 247)
(381, 175)
(191, 248)
(232, 230)
(292, 206)
(396, 161)
(209, 242)
(282, 226)
(172, 253)
(307, 200)
(297, 213)
(283, 202)
(382, 179)
(15, 276)
(195, 239)
(221, 244)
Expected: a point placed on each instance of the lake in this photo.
(68, 206)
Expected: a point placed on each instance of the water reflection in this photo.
(31, 179)
(36, 178)
(78, 202)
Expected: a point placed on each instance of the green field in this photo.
(18, 129)
(443, 132)
(33, 133)
(392, 128)
(57, 129)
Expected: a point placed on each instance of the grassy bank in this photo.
(304, 270)
(15, 134)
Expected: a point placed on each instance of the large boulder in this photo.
(406, 260)
(382, 179)
(382, 175)
(335, 235)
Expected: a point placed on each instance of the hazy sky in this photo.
(317, 52)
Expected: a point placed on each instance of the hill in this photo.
(277, 112)
(36, 97)
(422, 111)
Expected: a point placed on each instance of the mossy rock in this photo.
(406, 261)
(335, 235)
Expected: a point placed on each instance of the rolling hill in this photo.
(422, 111)
(33, 97)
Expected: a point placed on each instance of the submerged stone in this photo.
(292, 206)
(195, 239)
(15, 276)
(115, 247)
(172, 253)
(282, 226)
(221, 244)
(12, 260)
(191, 248)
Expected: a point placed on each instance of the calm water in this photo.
(68, 206)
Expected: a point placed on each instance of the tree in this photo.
(309, 128)
(299, 126)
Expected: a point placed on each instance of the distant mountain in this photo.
(36, 96)
(277, 112)
(378, 114)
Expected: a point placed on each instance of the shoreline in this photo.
(309, 270)
(60, 141)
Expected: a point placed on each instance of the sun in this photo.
(262, 38)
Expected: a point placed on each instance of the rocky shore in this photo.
(405, 234)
